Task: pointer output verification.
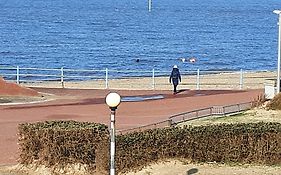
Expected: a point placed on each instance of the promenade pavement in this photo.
(89, 105)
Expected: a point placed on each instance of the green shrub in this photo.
(59, 143)
(240, 143)
(275, 103)
(69, 142)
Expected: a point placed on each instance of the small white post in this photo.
(61, 77)
(279, 54)
(239, 109)
(241, 79)
(278, 12)
(198, 80)
(149, 5)
(112, 142)
(18, 75)
(153, 79)
(106, 78)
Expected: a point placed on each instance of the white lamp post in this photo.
(112, 100)
(278, 12)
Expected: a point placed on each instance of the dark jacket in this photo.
(175, 76)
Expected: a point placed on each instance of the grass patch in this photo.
(251, 116)
(21, 99)
(229, 118)
(3, 100)
(235, 118)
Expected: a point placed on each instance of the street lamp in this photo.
(278, 12)
(112, 100)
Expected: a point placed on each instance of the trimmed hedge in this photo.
(70, 142)
(241, 143)
(59, 143)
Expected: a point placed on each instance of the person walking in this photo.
(175, 77)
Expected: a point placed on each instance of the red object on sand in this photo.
(13, 89)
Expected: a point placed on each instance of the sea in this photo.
(125, 35)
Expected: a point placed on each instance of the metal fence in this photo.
(211, 111)
(192, 115)
(161, 124)
(205, 112)
(134, 79)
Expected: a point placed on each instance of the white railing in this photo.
(134, 79)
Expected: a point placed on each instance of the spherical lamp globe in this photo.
(113, 100)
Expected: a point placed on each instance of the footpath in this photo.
(89, 105)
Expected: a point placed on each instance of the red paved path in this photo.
(89, 105)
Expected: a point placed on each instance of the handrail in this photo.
(130, 71)
(171, 122)
(39, 75)
(191, 78)
(148, 126)
(85, 70)
(33, 68)
(176, 115)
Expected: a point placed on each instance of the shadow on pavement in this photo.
(192, 171)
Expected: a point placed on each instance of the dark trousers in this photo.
(175, 88)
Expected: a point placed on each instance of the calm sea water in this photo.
(98, 34)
